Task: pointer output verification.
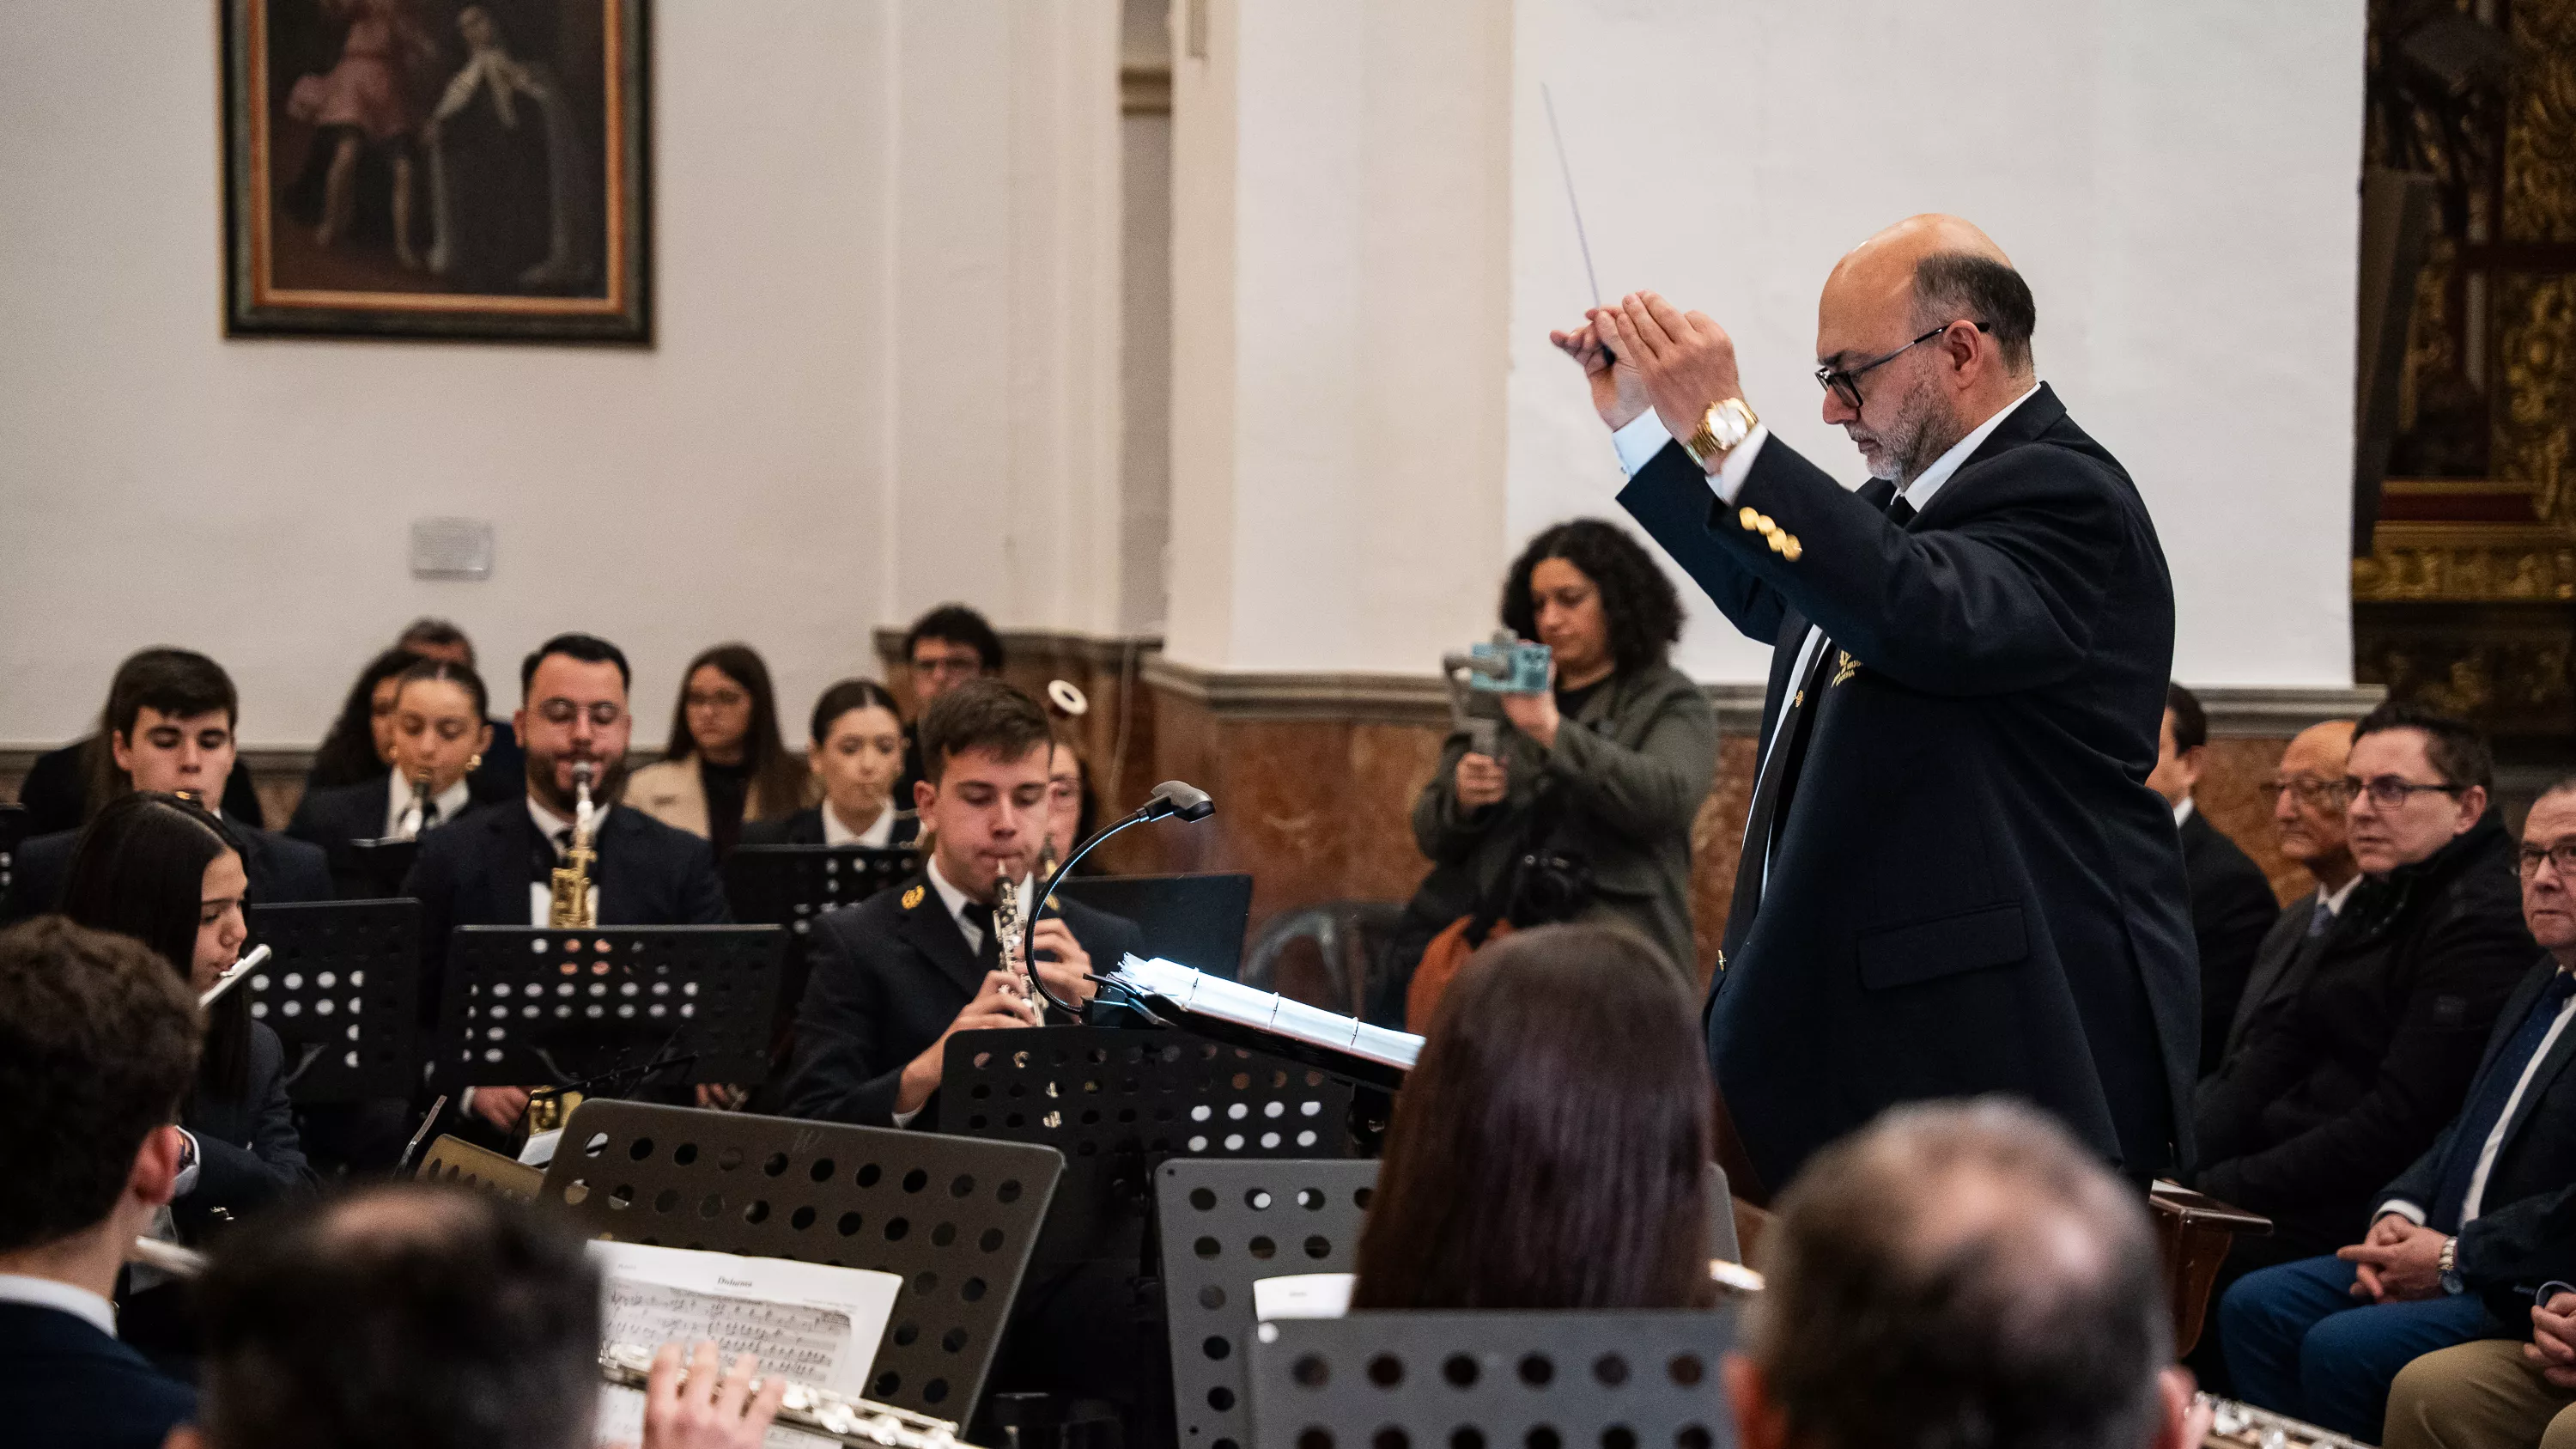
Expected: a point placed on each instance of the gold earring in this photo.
(473, 763)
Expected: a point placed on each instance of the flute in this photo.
(257, 958)
(818, 1411)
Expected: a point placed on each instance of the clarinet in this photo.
(819, 1411)
(1006, 922)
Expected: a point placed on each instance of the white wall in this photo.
(885, 372)
(2176, 180)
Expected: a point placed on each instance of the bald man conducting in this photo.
(1954, 879)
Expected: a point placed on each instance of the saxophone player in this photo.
(895, 975)
(496, 866)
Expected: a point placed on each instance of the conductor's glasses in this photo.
(603, 713)
(1844, 382)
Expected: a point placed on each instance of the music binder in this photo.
(1228, 1011)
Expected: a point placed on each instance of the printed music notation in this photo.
(804, 1343)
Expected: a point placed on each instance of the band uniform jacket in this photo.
(280, 870)
(56, 790)
(890, 974)
(2280, 968)
(1628, 774)
(248, 1150)
(2232, 909)
(805, 827)
(2525, 1231)
(66, 1385)
(1972, 888)
(477, 871)
(2338, 1087)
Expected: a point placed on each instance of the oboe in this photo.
(1006, 923)
(819, 1411)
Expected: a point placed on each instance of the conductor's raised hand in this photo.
(1618, 391)
(707, 1411)
(1686, 361)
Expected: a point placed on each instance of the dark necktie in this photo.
(2319, 919)
(2485, 1107)
(1778, 781)
(428, 814)
(545, 858)
(989, 954)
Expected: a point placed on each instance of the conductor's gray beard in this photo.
(1914, 439)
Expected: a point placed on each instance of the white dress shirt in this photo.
(400, 823)
(2494, 1144)
(2182, 812)
(880, 832)
(2335, 898)
(956, 902)
(62, 1297)
(1645, 436)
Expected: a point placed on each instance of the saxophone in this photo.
(1006, 926)
(567, 909)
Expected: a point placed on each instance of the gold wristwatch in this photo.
(1722, 429)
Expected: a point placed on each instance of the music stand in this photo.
(789, 885)
(15, 823)
(453, 1159)
(955, 1219)
(531, 1005)
(371, 868)
(1622, 1380)
(1198, 919)
(1225, 1225)
(340, 996)
(1116, 1101)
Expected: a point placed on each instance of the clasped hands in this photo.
(2398, 1261)
(1678, 363)
(2552, 1349)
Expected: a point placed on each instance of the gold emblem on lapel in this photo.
(1845, 666)
(913, 897)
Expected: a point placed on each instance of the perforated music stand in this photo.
(955, 1219)
(1201, 919)
(377, 867)
(1623, 1380)
(455, 1160)
(1224, 1226)
(339, 994)
(531, 1005)
(1115, 1101)
(789, 885)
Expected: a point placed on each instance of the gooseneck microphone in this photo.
(1172, 799)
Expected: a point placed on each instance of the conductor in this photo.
(1953, 879)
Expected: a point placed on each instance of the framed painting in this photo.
(437, 168)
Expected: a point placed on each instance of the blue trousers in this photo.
(2298, 1342)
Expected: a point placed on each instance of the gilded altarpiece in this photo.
(2467, 601)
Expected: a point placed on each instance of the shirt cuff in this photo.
(904, 1119)
(1640, 441)
(2404, 1209)
(186, 1182)
(1729, 478)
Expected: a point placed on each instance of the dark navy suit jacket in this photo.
(65, 1385)
(1973, 889)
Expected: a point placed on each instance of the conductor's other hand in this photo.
(1618, 391)
(707, 1411)
(1482, 781)
(501, 1106)
(1686, 360)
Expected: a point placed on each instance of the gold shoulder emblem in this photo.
(912, 897)
(1845, 667)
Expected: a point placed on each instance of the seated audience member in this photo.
(2232, 907)
(495, 867)
(360, 746)
(2307, 797)
(1551, 1147)
(170, 728)
(895, 975)
(1609, 767)
(2484, 1212)
(162, 870)
(438, 738)
(942, 650)
(2335, 1089)
(98, 1042)
(413, 1315)
(1073, 811)
(725, 763)
(1960, 1273)
(857, 752)
(67, 786)
(503, 767)
(2493, 1393)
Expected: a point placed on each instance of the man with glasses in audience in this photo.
(494, 866)
(942, 650)
(2307, 797)
(2460, 1245)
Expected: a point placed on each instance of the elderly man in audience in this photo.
(2231, 903)
(2307, 795)
(98, 1043)
(2457, 1243)
(425, 1315)
(2340, 1085)
(1960, 1273)
(169, 726)
(492, 868)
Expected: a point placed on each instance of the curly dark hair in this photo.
(1644, 612)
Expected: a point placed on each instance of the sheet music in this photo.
(814, 1324)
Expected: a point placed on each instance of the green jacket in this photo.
(1630, 771)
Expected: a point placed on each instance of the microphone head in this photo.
(1179, 797)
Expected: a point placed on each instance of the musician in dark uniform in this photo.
(856, 757)
(1954, 879)
(894, 975)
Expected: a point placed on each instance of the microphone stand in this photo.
(1170, 798)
